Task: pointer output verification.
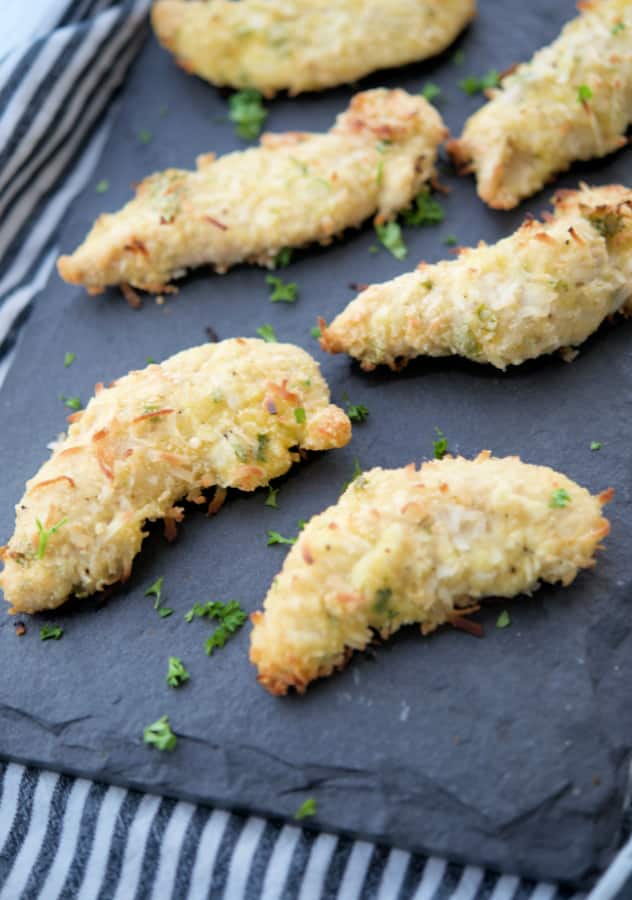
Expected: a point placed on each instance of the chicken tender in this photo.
(293, 189)
(233, 414)
(573, 101)
(548, 286)
(423, 546)
(304, 45)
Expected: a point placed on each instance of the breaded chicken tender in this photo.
(233, 414)
(547, 287)
(573, 101)
(304, 45)
(423, 546)
(294, 189)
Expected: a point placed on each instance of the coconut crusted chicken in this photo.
(548, 286)
(420, 546)
(233, 414)
(304, 45)
(573, 101)
(293, 189)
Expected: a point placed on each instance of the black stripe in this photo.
(374, 873)
(296, 870)
(20, 824)
(116, 852)
(46, 855)
(189, 850)
(260, 860)
(3, 772)
(234, 827)
(413, 877)
(85, 839)
(76, 11)
(151, 858)
(339, 860)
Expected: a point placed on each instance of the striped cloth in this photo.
(68, 838)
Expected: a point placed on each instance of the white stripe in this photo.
(279, 863)
(6, 362)
(312, 882)
(208, 846)
(506, 887)
(9, 804)
(24, 22)
(241, 858)
(393, 874)
(170, 848)
(135, 848)
(469, 884)
(355, 870)
(68, 839)
(95, 866)
(25, 860)
(616, 875)
(544, 891)
(15, 302)
(434, 870)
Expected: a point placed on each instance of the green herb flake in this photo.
(268, 333)
(390, 236)
(382, 601)
(69, 359)
(379, 176)
(357, 412)
(176, 673)
(356, 475)
(607, 223)
(165, 611)
(275, 538)
(71, 402)
(316, 332)
(155, 590)
(424, 211)
(459, 58)
(299, 415)
(150, 361)
(306, 809)
(271, 499)
(44, 535)
(231, 617)
(503, 620)
(450, 240)
(51, 632)
(102, 186)
(282, 292)
(283, 258)
(145, 136)
(617, 28)
(430, 91)
(440, 446)
(248, 113)
(160, 735)
(584, 93)
(472, 85)
(559, 499)
(596, 445)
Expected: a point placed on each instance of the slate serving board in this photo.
(511, 751)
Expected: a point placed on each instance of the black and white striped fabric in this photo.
(67, 838)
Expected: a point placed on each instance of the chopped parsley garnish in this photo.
(282, 292)
(248, 113)
(357, 412)
(424, 211)
(503, 620)
(379, 175)
(156, 591)
(382, 601)
(160, 735)
(299, 415)
(145, 136)
(150, 361)
(450, 240)
(165, 611)
(606, 223)
(268, 333)
(102, 186)
(176, 673)
(271, 499)
(596, 445)
(44, 534)
(283, 258)
(459, 58)
(262, 445)
(618, 28)
(316, 332)
(357, 473)
(275, 538)
(430, 91)
(306, 809)
(231, 617)
(51, 632)
(472, 85)
(71, 402)
(390, 236)
(440, 446)
(584, 93)
(69, 359)
(559, 499)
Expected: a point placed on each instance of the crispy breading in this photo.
(294, 189)
(217, 415)
(304, 45)
(423, 546)
(546, 287)
(573, 101)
